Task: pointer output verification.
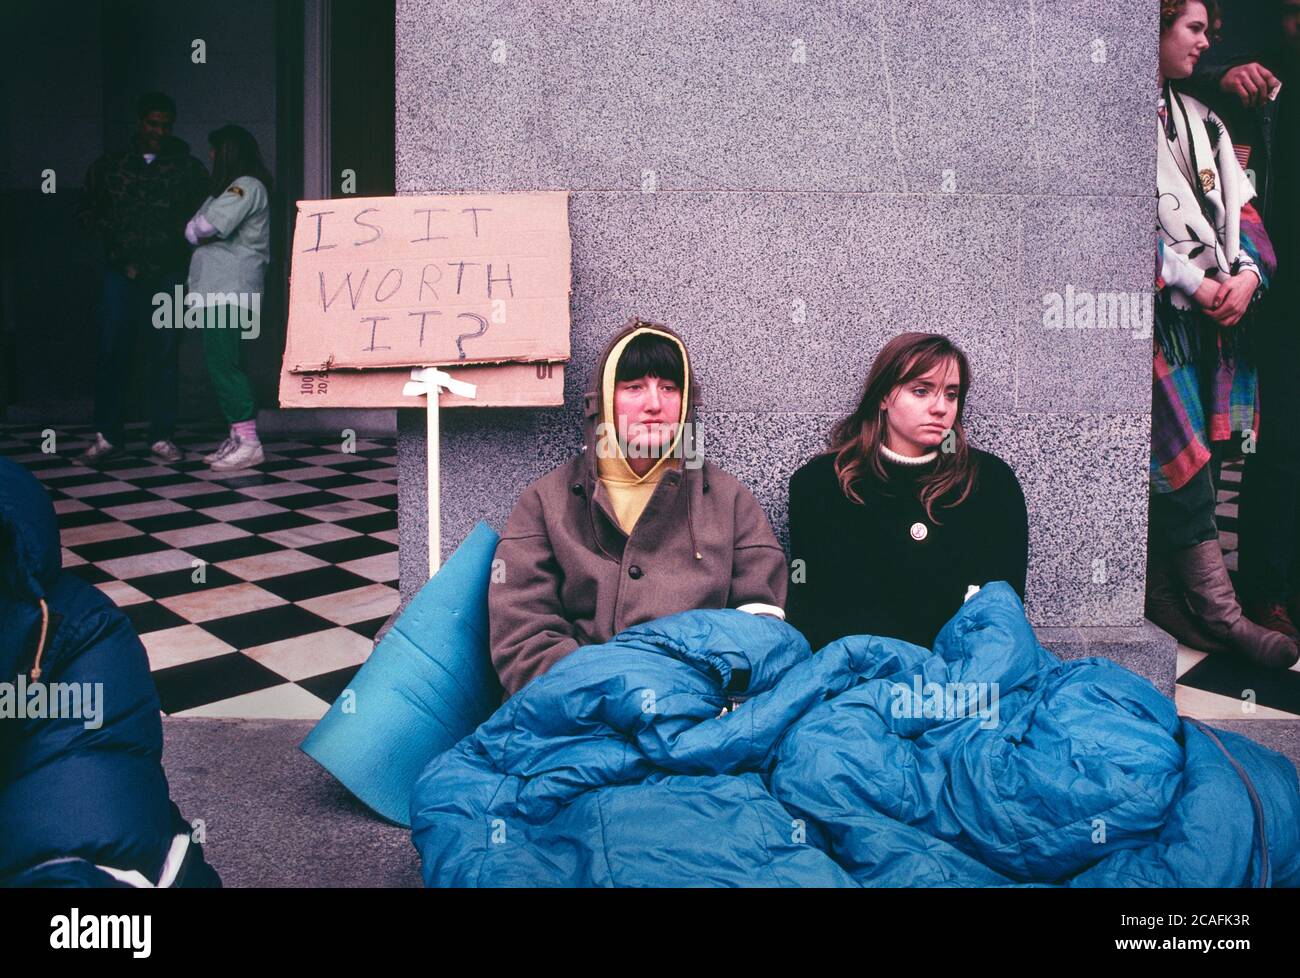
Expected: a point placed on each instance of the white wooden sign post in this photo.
(429, 381)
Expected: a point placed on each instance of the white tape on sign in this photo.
(423, 377)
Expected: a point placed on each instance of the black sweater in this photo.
(867, 574)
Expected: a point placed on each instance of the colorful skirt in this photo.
(1205, 388)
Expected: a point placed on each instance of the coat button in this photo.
(634, 572)
(919, 531)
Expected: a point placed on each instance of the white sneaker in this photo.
(223, 449)
(166, 450)
(100, 450)
(244, 455)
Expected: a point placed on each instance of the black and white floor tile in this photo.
(256, 593)
(1217, 687)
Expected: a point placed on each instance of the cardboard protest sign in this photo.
(499, 385)
(429, 280)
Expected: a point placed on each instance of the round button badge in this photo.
(919, 531)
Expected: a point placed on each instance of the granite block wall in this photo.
(789, 184)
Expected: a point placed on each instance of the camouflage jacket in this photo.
(140, 209)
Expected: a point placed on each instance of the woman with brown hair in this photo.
(892, 526)
(1213, 261)
(232, 237)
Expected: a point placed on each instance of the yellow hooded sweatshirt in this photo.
(628, 492)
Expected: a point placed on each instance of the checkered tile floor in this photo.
(1215, 687)
(256, 593)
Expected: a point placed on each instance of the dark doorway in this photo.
(71, 93)
(363, 96)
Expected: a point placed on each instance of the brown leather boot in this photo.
(1212, 600)
(1272, 616)
(1167, 608)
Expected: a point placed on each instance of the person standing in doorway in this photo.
(137, 202)
(231, 232)
(1259, 98)
(1214, 260)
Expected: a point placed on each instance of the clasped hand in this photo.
(1226, 301)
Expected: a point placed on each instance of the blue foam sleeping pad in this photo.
(428, 684)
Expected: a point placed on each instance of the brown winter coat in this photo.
(570, 576)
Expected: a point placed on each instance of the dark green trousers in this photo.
(222, 349)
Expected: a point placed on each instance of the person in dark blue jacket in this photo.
(83, 796)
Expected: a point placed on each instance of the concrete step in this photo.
(1282, 736)
(1145, 649)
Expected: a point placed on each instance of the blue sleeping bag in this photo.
(874, 762)
(83, 797)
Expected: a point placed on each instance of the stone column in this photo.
(790, 184)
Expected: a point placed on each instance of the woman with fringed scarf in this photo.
(1213, 260)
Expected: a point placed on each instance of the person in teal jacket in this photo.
(231, 234)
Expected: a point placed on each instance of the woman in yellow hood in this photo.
(644, 407)
(636, 528)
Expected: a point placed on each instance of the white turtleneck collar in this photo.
(897, 459)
